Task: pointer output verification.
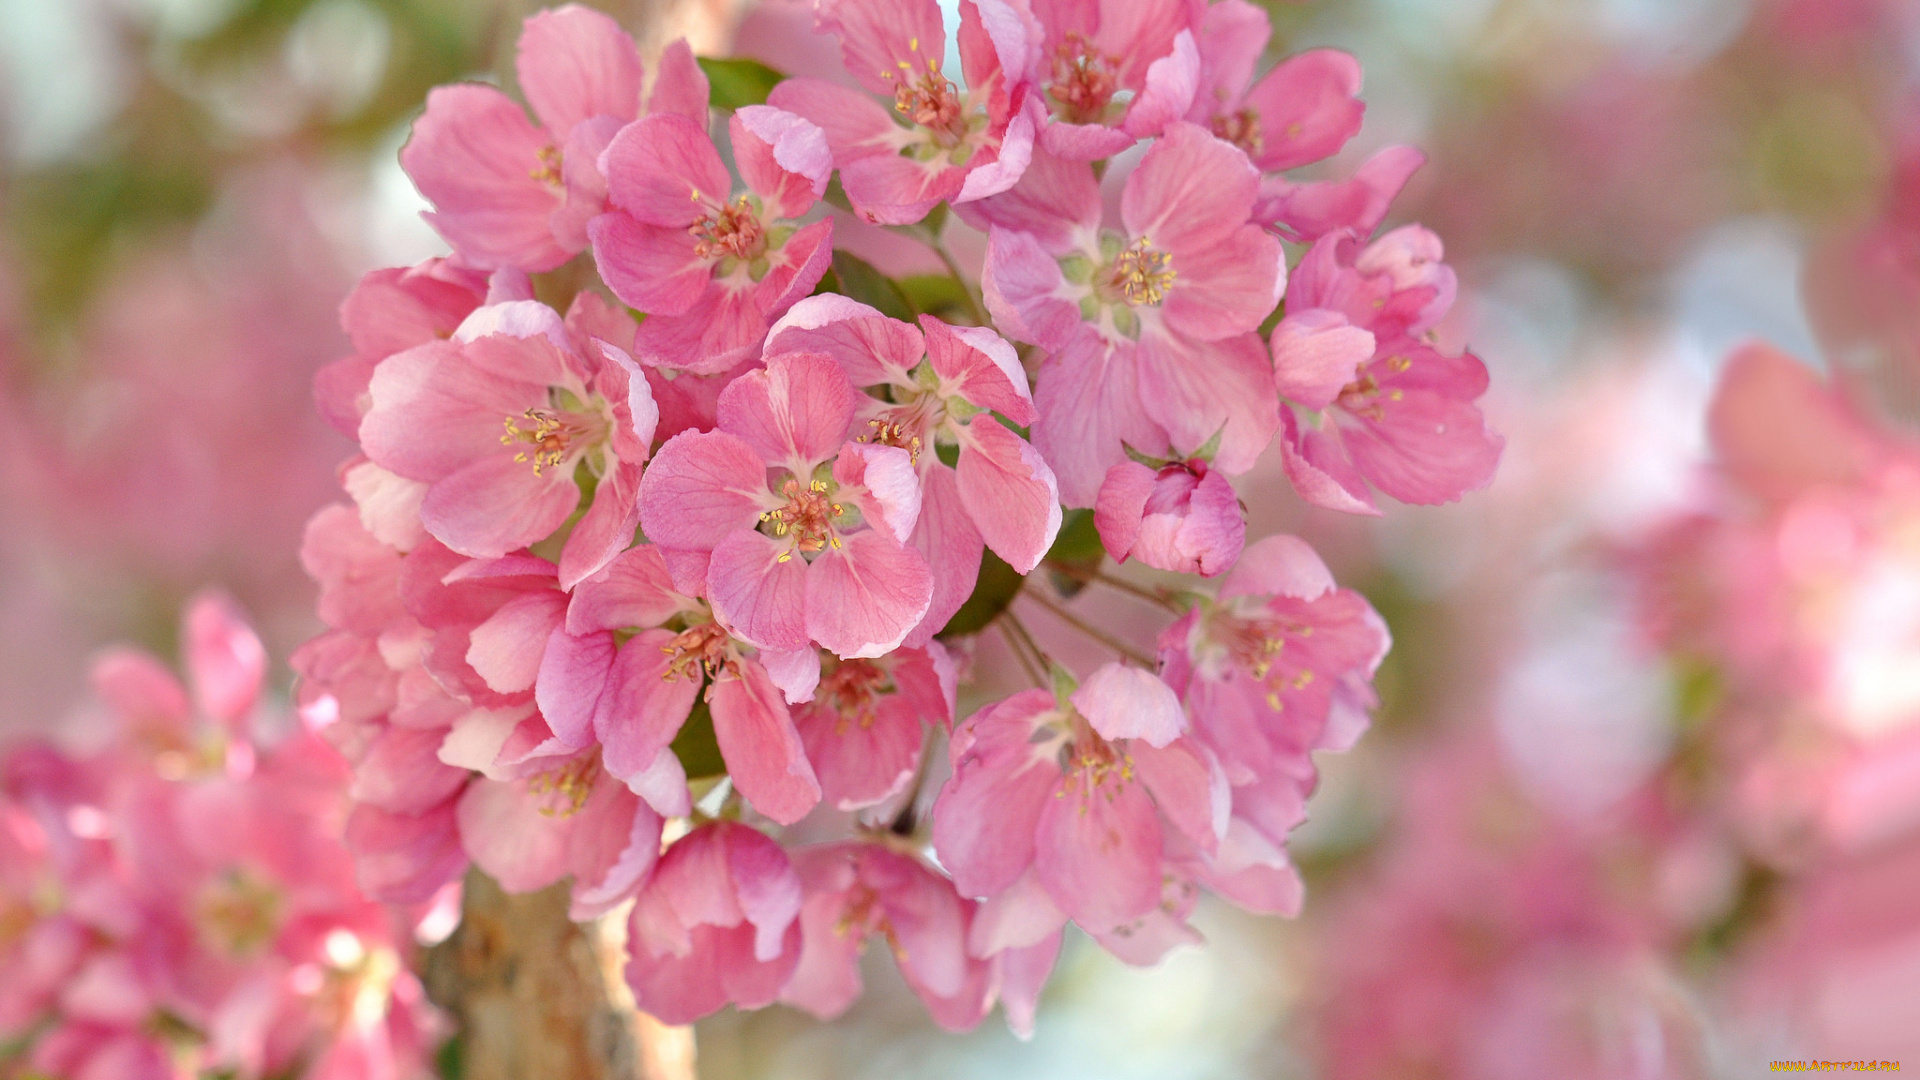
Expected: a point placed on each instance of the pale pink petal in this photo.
(1227, 287)
(722, 330)
(1098, 854)
(404, 858)
(1023, 973)
(663, 785)
(1168, 94)
(571, 681)
(613, 847)
(946, 538)
(1232, 36)
(1018, 916)
(140, 690)
(1123, 702)
(496, 504)
(225, 660)
(607, 528)
(757, 586)
(1015, 153)
(1091, 410)
(884, 483)
(855, 124)
(870, 347)
(1009, 491)
(865, 596)
(1055, 201)
(865, 759)
(1121, 503)
(1026, 293)
(984, 818)
(506, 649)
(891, 189)
(1279, 566)
(1196, 390)
(575, 63)
(502, 828)
(1191, 191)
(783, 158)
(1321, 471)
(700, 488)
(793, 272)
(881, 41)
(1778, 429)
(663, 170)
(634, 591)
(795, 671)
(1309, 211)
(763, 752)
(1192, 796)
(650, 267)
(679, 86)
(1082, 143)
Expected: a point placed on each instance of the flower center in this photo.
(932, 102)
(1361, 397)
(547, 437)
(548, 171)
(849, 689)
(1140, 275)
(563, 791)
(240, 911)
(1255, 645)
(894, 432)
(733, 232)
(699, 650)
(1082, 80)
(807, 517)
(1090, 765)
(1242, 129)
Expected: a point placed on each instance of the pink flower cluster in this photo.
(658, 596)
(181, 904)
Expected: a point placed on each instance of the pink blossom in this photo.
(390, 311)
(942, 386)
(856, 890)
(1301, 111)
(950, 146)
(1183, 517)
(818, 552)
(712, 269)
(717, 923)
(1077, 798)
(1093, 52)
(1151, 326)
(437, 416)
(509, 192)
(633, 698)
(863, 728)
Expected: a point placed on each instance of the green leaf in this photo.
(1077, 548)
(994, 588)
(739, 82)
(934, 294)
(450, 1062)
(858, 279)
(696, 746)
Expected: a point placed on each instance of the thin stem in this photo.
(1060, 612)
(1017, 648)
(974, 308)
(1151, 596)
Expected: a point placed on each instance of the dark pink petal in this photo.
(645, 703)
(1232, 37)
(863, 759)
(586, 187)
(1203, 537)
(225, 660)
(827, 981)
(1123, 702)
(883, 482)
(766, 886)
(1098, 854)
(984, 819)
(795, 412)
(757, 586)
(340, 392)
(1009, 491)
(474, 156)
(663, 170)
(650, 267)
(1168, 92)
(784, 158)
(634, 591)
(1228, 287)
(864, 597)
(884, 41)
(1308, 211)
(679, 86)
(571, 683)
(763, 752)
(1121, 504)
(1316, 353)
(1320, 469)
(503, 829)
(401, 772)
(1196, 390)
(1190, 192)
(496, 504)
(1055, 199)
(614, 845)
(1083, 143)
(1428, 448)
(398, 308)
(1191, 795)
(719, 333)
(996, 40)
(1022, 285)
(575, 63)
(980, 366)
(793, 271)
(795, 671)
(890, 189)
(140, 690)
(700, 488)
(855, 125)
(1307, 108)
(993, 171)
(1091, 410)
(430, 414)
(606, 529)
(404, 858)
(947, 539)
(871, 348)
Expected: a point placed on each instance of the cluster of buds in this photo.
(694, 634)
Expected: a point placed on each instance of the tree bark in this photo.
(538, 997)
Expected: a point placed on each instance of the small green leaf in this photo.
(450, 1062)
(696, 746)
(1273, 319)
(858, 279)
(739, 82)
(1064, 684)
(994, 588)
(934, 294)
(1078, 549)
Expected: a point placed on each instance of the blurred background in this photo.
(1544, 859)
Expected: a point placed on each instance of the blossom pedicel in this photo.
(624, 594)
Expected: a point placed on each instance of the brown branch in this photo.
(1060, 612)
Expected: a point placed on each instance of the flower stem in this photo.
(1155, 597)
(974, 307)
(1060, 612)
(1032, 660)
